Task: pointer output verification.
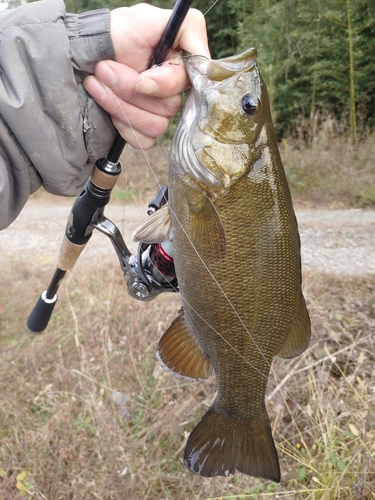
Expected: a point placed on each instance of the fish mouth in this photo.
(211, 80)
(214, 138)
(220, 69)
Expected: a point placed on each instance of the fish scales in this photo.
(237, 260)
(244, 274)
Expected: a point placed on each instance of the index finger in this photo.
(192, 36)
(171, 78)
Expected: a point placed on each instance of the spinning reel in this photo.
(152, 271)
(149, 273)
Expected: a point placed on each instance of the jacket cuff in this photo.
(90, 40)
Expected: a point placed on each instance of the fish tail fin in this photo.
(220, 444)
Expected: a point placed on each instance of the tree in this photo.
(222, 19)
(316, 56)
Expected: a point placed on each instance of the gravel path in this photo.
(338, 241)
(333, 241)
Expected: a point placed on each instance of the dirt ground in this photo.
(87, 411)
(333, 241)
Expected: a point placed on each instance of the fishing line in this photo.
(199, 256)
(204, 264)
(189, 30)
(187, 236)
(285, 393)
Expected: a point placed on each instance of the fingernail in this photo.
(106, 74)
(94, 87)
(146, 86)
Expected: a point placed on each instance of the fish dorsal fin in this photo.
(180, 353)
(207, 231)
(156, 228)
(298, 337)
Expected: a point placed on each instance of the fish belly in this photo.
(240, 305)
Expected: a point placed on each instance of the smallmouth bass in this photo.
(237, 260)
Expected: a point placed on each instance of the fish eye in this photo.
(250, 104)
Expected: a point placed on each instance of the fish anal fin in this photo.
(179, 352)
(219, 445)
(298, 337)
(156, 228)
(207, 231)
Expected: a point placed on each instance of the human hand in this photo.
(141, 103)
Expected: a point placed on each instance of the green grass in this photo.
(125, 195)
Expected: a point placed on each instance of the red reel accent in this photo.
(163, 262)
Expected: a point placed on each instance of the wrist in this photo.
(90, 39)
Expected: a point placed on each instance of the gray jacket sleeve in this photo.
(51, 131)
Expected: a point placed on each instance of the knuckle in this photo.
(158, 126)
(173, 105)
(197, 16)
(142, 142)
(143, 133)
(120, 126)
(149, 142)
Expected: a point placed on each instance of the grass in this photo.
(332, 172)
(87, 413)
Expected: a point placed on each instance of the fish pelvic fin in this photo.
(219, 445)
(156, 228)
(180, 353)
(298, 338)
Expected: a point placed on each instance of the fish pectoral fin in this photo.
(180, 353)
(298, 337)
(207, 231)
(156, 228)
(220, 444)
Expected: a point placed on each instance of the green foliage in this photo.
(222, 21)
(364, 196)
(305, 53)
(129, 195)
(316, 57)
(85, 5)
(86, 423)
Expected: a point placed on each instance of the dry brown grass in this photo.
(333, 172)
(86, 412)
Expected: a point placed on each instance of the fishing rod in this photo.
(149, 273)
